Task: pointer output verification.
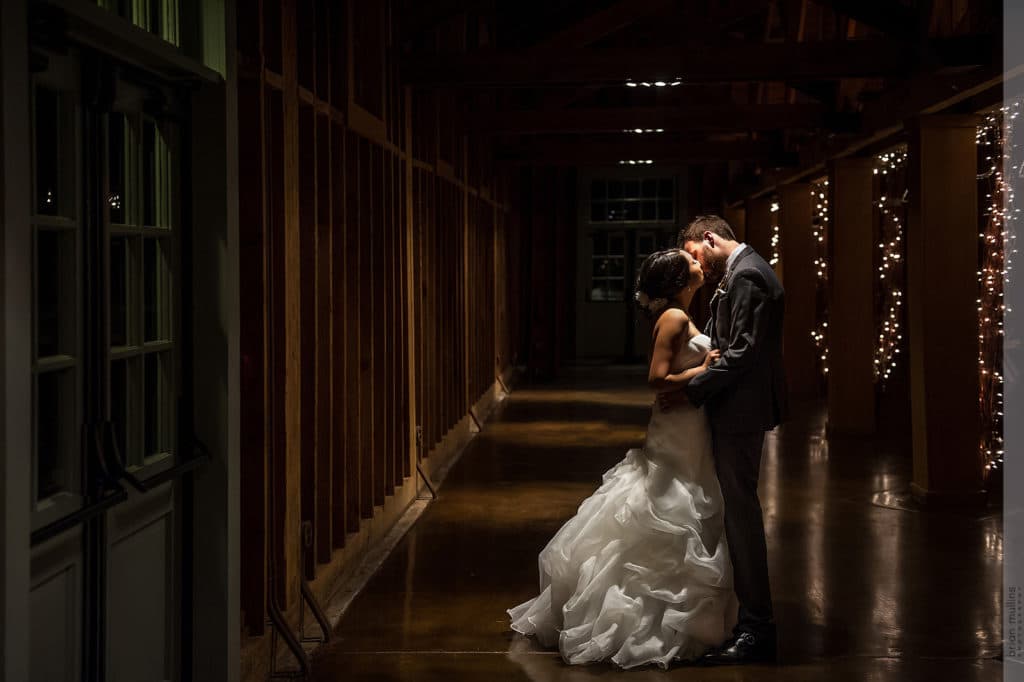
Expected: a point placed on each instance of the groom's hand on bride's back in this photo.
(671, 399)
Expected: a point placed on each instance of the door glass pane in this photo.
(124, 408)
(119, 260)
(149, 173)
(54, 429)
(158, 399)
(156, 306)
(48, 145)
(48, 293)
(607, 266)
(116, 168)
(665, 210)
(644, 244)
(617, 244)
(613, 266)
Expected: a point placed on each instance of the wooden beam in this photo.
(577, 151)
(892, 18)
(603, 23)
(726, 63)
(884, 118)
(420, 17)
(735, 117)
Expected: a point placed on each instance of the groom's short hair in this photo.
(694, 232)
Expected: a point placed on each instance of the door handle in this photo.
(115, 463)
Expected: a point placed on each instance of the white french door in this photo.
(108, 454)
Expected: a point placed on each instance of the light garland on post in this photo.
(776, 233)
(819, 230)
(890, 171)
(998, 221)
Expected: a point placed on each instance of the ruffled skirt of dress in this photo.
(641, 574)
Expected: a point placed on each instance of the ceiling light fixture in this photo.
(630, 83)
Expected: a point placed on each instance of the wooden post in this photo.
(851, 337)
(800, 282)
(942, 286)
(759, 226)
(736, 216)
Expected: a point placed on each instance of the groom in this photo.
(745, 394)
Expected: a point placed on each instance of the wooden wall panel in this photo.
(307, 316)
(277, 338)
(354, 407)
(361, 268)
(378, 305)
(253, 376)
(340, 342)
(325, 487)
(366, 330)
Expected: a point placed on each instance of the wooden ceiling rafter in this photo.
(576, 150)
(740, 62)
(730, 117)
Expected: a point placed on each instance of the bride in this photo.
(641, 574)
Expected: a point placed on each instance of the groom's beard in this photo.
(714, 269)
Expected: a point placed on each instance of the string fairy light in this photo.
(819, 232)
(776, 233)
(1001, 171)
(891, 204)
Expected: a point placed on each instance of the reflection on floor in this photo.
(863, 589)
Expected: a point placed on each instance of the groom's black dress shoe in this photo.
(744, 648)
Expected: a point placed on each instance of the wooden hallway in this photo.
(867, 586)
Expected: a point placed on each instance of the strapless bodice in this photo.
(691, 353)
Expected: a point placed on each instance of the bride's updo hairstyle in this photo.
(663, 274)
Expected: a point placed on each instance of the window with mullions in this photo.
(632, 200)
(646, 244)
(141, 245)
(56, 346)
(608, 260)
(159, 17)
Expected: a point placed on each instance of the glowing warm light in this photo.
(1001, 169)
(890, 269)
(819, 231)
(776, 235)
(630, 83)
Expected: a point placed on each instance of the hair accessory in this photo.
(651, 305)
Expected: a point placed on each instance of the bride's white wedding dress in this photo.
(641, 574)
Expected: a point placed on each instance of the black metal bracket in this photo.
(419, 469)
(115, 466)
(50, 530)
(308, 598)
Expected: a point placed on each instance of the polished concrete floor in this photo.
(866, 587)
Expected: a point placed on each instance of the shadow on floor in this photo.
(862, 590)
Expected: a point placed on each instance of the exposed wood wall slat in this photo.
(325, 488)
(348, 307)
(341, 401)
(252, 247)
(307, 314)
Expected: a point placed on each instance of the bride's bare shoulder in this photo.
(673, 320)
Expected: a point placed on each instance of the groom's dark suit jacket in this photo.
(745, 390)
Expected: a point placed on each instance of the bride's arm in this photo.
(672, 331)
